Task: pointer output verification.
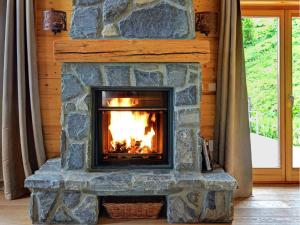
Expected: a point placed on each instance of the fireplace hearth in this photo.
(132, 127)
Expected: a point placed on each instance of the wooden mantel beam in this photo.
(132, 51)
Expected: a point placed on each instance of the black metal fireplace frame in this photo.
(97, 163)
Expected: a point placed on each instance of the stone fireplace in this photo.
(130, 128)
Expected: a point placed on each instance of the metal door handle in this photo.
(292, 99)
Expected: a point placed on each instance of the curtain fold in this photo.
(22, 142)
(232, 135)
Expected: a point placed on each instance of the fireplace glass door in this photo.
(133, 127)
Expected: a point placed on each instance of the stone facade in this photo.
(133, 19)
(77, 78)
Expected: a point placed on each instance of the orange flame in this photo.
(128, 127)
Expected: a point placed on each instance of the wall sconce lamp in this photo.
(54, 20)
(207, 23)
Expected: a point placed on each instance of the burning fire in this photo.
(130, 130)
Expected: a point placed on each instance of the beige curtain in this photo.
(2, 29)
(22, 142)
(232, 136)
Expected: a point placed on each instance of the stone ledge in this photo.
(127, 182)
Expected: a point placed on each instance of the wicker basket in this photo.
(133, 210)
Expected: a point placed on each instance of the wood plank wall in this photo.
(49, 74)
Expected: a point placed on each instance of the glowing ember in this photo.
(131, 131)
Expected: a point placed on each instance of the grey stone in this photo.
(112, 9)
(143, 2)
(194, 66)
(118, 75)
(45, 201)
(63, 147)
(147, 66)
(187, 96)
(89, 74)
(67, 68)
(71, 198)
(220, 209)
(186, 144)
(87, 211)
(193, 79)
(112, 182)
(188, 118)
(78, 126)
(86, 2)
(75, 159)
(159, 21)
(83, 104)
(33, 211)
(71, 87)
(179, 212)
(148, 78)
(69, 107)
(51, 165)
(195, 198)
(150, 182)
(110, 30)
(44, 181)
(61, 216)
(86, 22)
(181, 2)
(211, 202)
(176, 75)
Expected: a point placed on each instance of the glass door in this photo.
(292, 23)
(262, 35)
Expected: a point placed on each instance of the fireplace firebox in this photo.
(132, 127)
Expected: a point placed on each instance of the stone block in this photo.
(71, 87)
(45, 202)
(89, 74)
(199, 206)
(176, 75)
(188, 118)
(86, 2)
(75, 158)
(44, 181)
(87, 211)
(71, 198)
(61, 216)
(187, 96)
(63, 147)
(112, 9)
(117, 75)
(110, 30)
(148, 78)
(77, 126)
(86, 22)
(193, 78)
(111, 182)
(185, 145)
(162, 21)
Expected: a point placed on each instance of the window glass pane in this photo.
(296, 90)
(261, 43)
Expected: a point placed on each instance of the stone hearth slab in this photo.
(191, 196)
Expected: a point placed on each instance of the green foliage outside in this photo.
(261, 56)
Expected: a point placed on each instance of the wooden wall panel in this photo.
(49, 74)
